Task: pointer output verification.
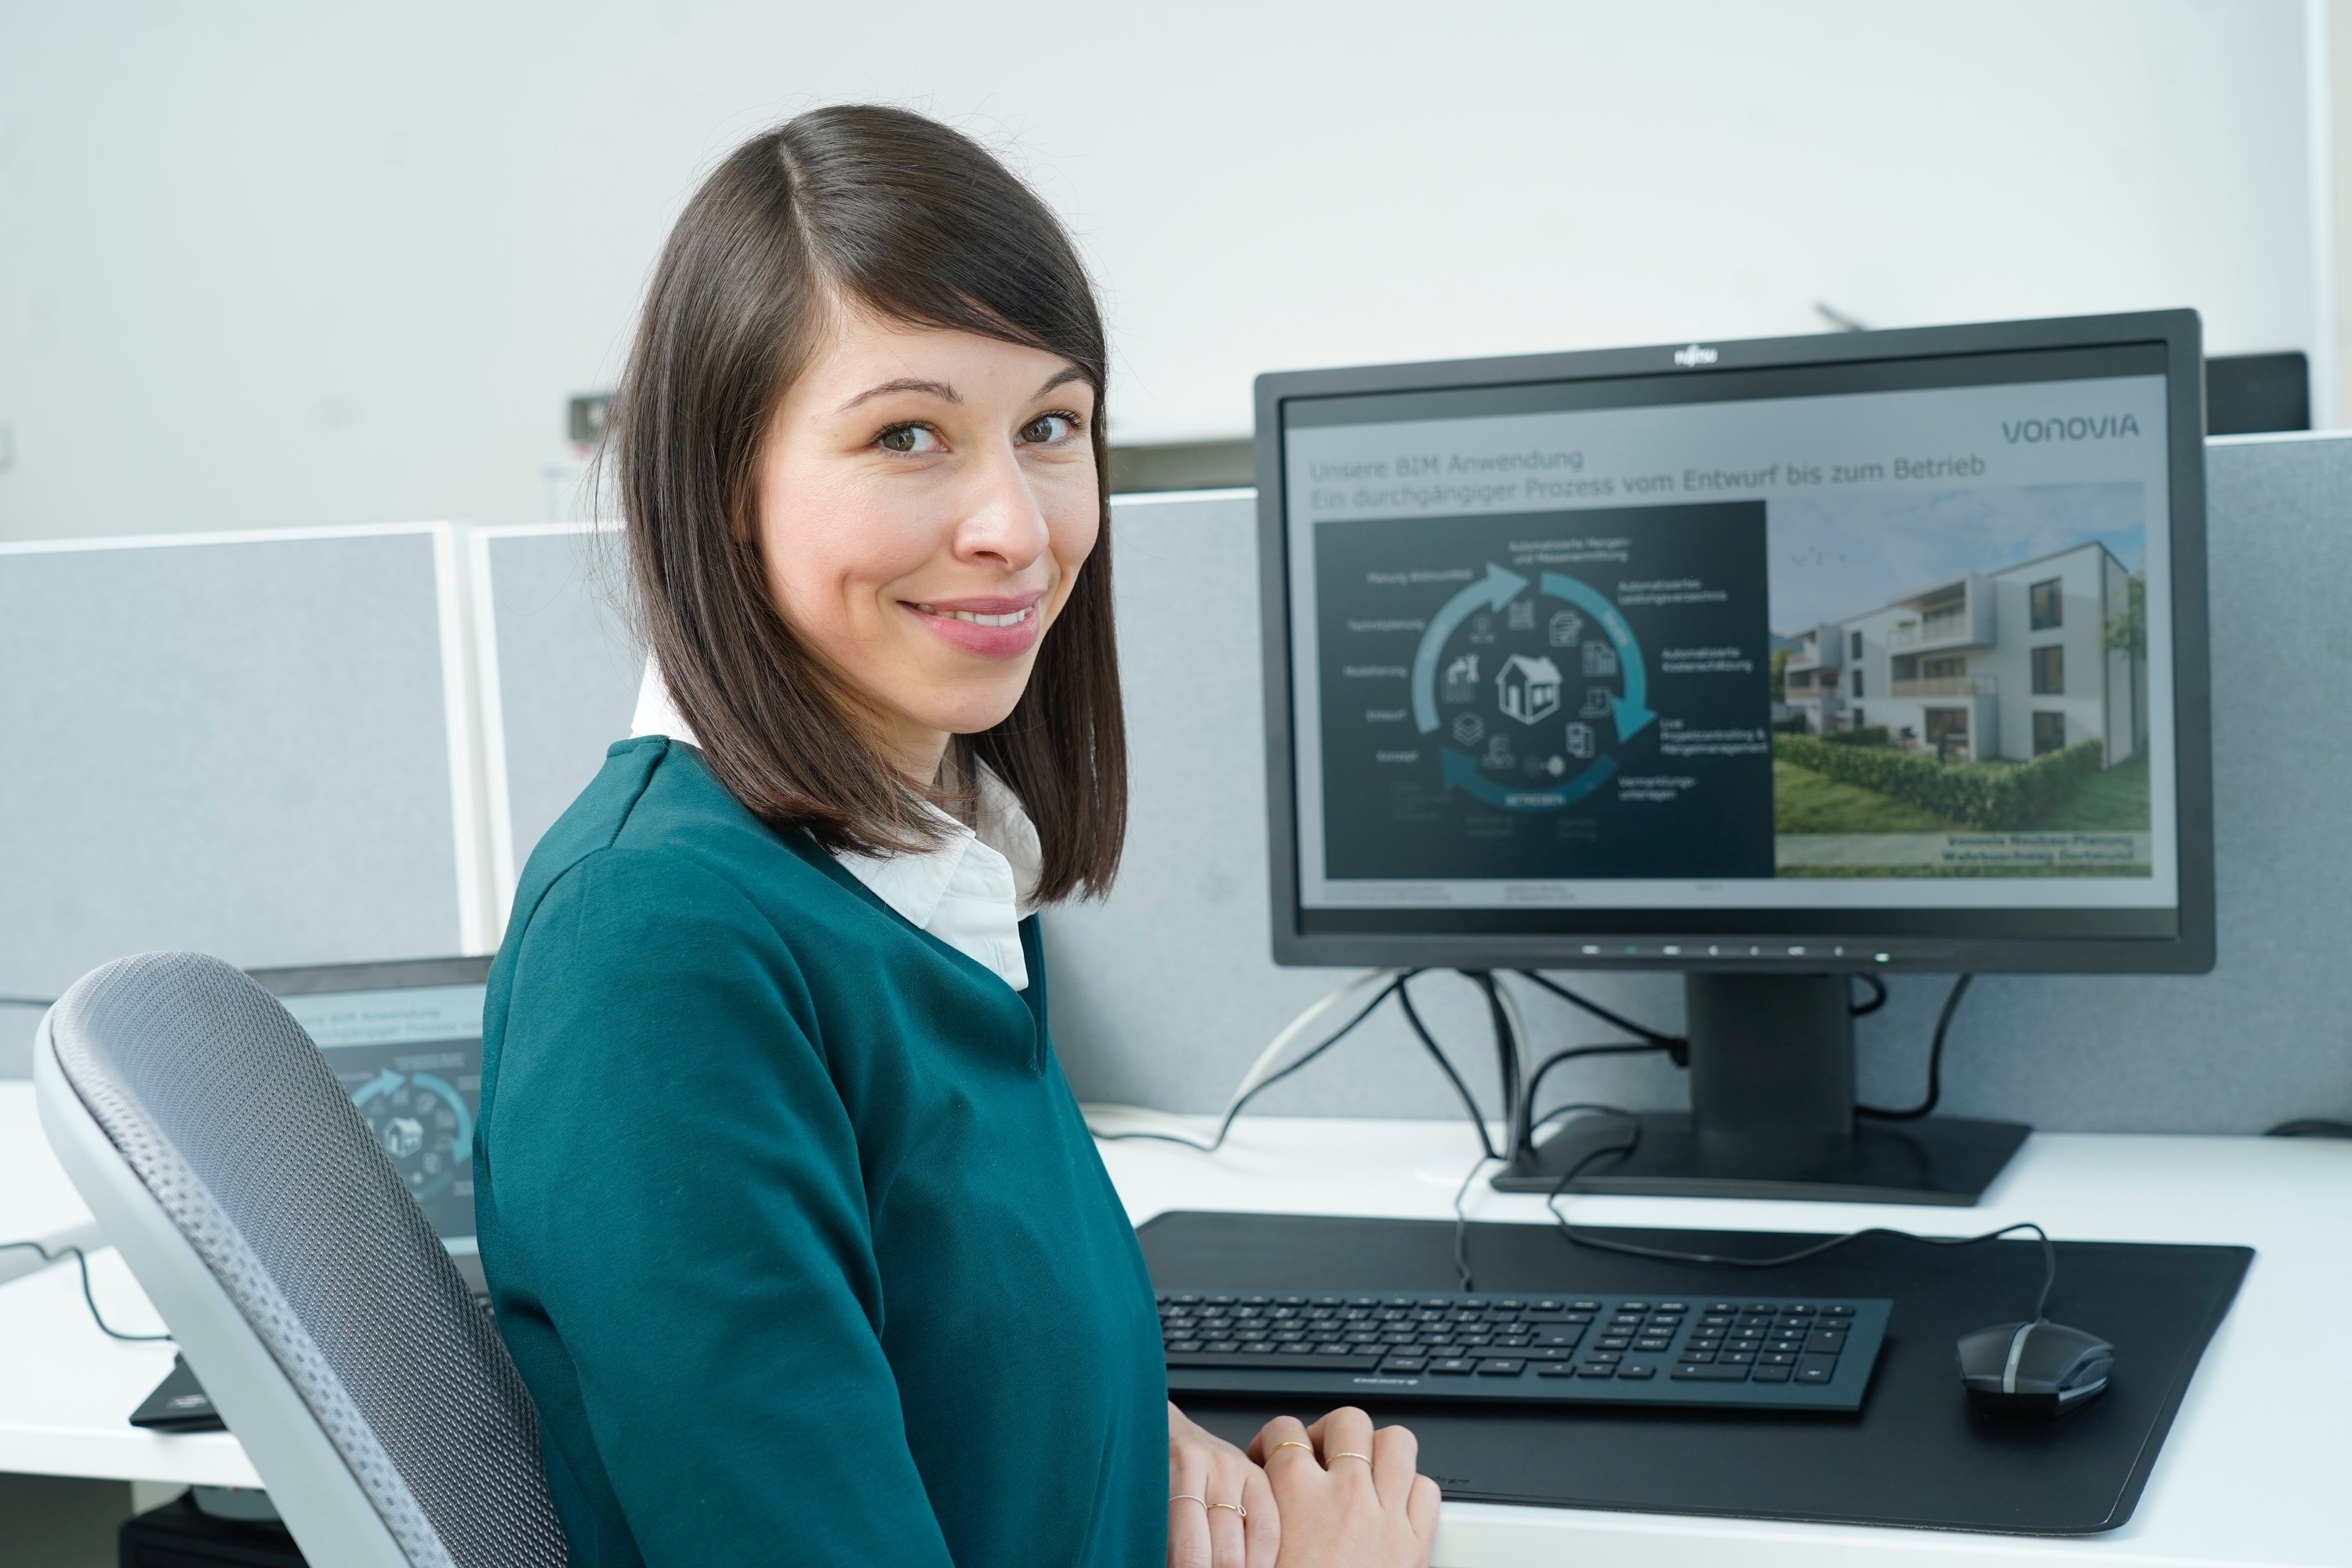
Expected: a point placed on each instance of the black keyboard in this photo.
(1780, 1353)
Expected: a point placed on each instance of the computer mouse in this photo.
(2040, 1368)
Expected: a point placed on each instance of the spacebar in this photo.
(1276, 1361)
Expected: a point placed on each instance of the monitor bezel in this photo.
(1794, 941)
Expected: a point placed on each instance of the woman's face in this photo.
(926, 498)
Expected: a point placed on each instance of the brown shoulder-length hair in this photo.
(887, 211)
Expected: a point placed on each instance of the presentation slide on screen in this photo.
(412, 1059)
(1885, 649)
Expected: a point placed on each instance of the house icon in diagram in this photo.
(1527, 688)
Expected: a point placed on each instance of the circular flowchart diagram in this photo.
(1490, 674)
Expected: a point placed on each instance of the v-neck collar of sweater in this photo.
(971, 892)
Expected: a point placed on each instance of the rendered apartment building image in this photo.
(2010, 664)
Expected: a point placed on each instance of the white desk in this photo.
(2257, 1470)
(2258, 1467)
(37, 1203)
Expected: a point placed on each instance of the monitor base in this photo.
(1944, 1160)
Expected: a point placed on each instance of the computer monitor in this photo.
(1772, 662)
(405, 1038)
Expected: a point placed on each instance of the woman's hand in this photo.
(1206, 1476)
(1350, 1496)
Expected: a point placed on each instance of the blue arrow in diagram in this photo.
(1632, 709)
(383, 1082)
(1500, 588)
(1463, 772)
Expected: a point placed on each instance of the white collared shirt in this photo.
(971, 892)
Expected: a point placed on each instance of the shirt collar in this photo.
(971, 891)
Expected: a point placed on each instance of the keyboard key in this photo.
(1549, 1304)
(1736, 1358)
(1673, 1306)
(1182, 1347)
(1776, 1358)
(1816, 1368)
(1825, 1342)
(1501, 1366)
(1696, 1357)
(1837, 1311)
(1770, 1374)
(1637, 1372)
(1259, 1347)
(1556, 1369)
(1405, 1365)
(1222, 1347)
(1452, 1366)
(1688, 1372)
(1584, 1306)
(1596, 1369)
(1605, 1357)
(1549, 1352)
(1653, 1345)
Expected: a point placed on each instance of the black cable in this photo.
(2311, 1127)
(1462, 1220)
(81, 1259)
(1507, 1065)
(1671, 1042)
(1727, 1260)
(1877, 996)
(1429, 1042)
(1934, 1062)
(1235, 1111)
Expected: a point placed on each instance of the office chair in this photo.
(302, 1282)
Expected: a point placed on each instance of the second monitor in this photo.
(1771, 662)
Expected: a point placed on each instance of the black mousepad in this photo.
(1916, 1455)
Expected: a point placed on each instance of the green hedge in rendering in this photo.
(1868, 735)
(1991, 799)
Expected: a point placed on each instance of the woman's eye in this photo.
(914, 439)
(1047, 428)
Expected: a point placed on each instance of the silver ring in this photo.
(1352, 1453)
(1187, 1497)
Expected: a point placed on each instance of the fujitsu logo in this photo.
(1694, 355)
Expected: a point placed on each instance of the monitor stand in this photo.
(1772, 1115)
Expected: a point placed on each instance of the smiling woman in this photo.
(789, 1219)
(767, 405)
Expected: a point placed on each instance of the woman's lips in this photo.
(992, 628)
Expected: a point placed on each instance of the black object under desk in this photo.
(1917, 1455)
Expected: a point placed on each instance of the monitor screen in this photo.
(1855, 650)
(411, 1057)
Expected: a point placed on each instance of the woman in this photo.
(789, 1216)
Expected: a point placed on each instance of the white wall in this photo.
(268, 264)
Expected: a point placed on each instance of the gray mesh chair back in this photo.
(300, 1279)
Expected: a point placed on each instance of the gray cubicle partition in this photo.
(255, 745)
(246, 745)
(559, 676)
(1164, 994)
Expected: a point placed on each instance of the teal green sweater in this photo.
(791, 1221)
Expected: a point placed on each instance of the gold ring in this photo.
(1235, 1505)
(1291, 1443)
(1352, 1453)
(1187, 1497)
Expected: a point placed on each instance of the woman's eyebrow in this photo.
(1067, 374)
(938, 389)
